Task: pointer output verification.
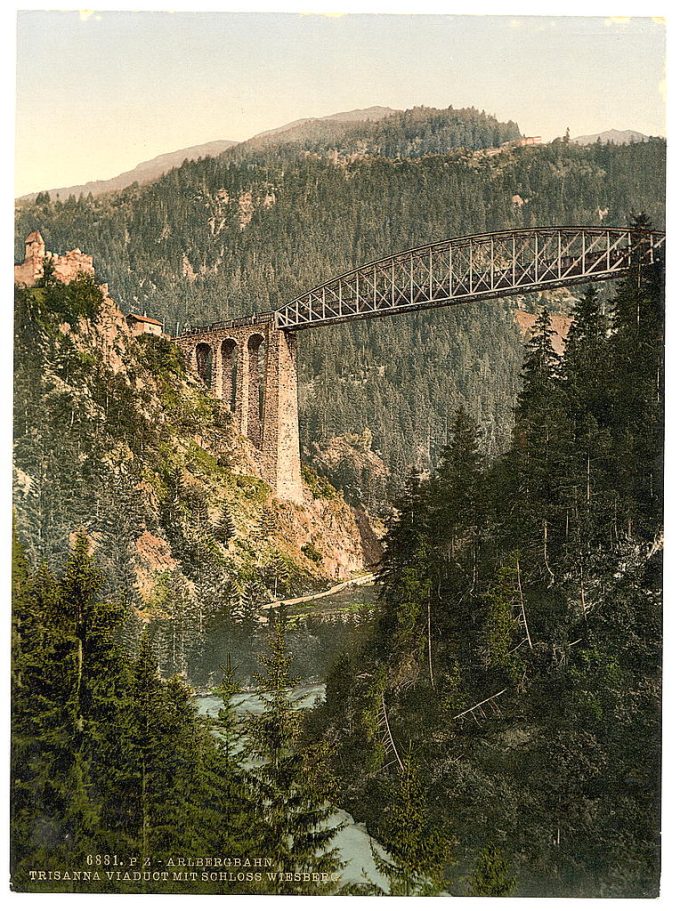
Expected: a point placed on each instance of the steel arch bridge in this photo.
(250, 363)
(475, 267)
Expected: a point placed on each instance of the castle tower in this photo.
(35, 247)
(28, 272)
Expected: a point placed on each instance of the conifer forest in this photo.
(485, 711)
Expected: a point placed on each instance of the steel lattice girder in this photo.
(477, 267)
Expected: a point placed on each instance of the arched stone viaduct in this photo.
(250, 362)
(250, 365)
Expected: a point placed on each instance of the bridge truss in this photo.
(476, 267)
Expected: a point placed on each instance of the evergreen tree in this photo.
(297, 828)
(225, 528)
(98, 697)
(148, 754)
(42, 730)
(416, 853)
(455, 492)
(405, 569)
(231, 817)
(638, 354)
(535, 467)
(492, 875)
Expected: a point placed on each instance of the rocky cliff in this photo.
(112, 435)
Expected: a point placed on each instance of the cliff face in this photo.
(112, 435)
(559, 323)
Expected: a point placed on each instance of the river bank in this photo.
(367, 579)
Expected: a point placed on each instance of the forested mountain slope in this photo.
(508, 699)
(112, 437)
(257, 226)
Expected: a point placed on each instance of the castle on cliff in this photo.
(64, 268)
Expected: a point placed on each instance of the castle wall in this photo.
(70, 265)
(65, 268)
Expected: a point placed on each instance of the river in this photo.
(317, 631)
(352, 841)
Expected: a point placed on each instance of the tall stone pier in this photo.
(251, 366)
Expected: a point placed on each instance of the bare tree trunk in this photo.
(545, 550)
(479, 704)
(389, 733)
(583, 596)
(429, 642)
(521, 602)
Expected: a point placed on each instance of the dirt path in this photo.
(334, 589)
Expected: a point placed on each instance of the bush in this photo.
(80, 298)
(311, 553)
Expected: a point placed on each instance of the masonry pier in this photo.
(251, 366)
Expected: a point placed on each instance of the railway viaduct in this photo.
(250, 362)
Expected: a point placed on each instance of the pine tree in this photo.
(225, 529)
(42, 729)
(492, 874)
(189, 749)
(455, 492)
(638, 354)
(586, 359)
(506, 627)
(97, 699)
(297, 828)
(406, 583)
(231, 817)
(148, 753)
(534, 470)
(415, 852)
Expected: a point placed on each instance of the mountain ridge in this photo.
(618, 137)
(144, 172)
(153, 168)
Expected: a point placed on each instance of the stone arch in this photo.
(256, 375)
(204, 362)
(228, 383)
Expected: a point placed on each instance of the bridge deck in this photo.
(476, 267)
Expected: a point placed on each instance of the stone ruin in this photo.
(65, 268)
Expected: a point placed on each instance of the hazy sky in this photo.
(98, 93)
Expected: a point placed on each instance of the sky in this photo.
(99, 92)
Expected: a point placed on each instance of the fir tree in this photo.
(225, 528)
(148, 753)
(415, 852)
(492, 874)
(42, 729)
(231, 817)
(455, 492)
(297, 827)
(405, 569)
(535, 466)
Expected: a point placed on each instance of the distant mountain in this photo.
(382, 131)
(357, 116)
(143, 173)
(328, 130)
(151, 170)
(618, 137)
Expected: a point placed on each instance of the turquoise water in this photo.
(352, 841)
(316, 634)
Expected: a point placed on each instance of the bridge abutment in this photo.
(253, 369)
